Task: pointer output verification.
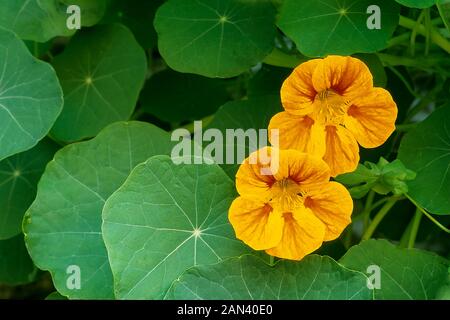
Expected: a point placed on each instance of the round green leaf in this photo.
(405, 273)
(220, 38)
(173, 97)
(426, 150)
(251, 116)
(16, 266)
(421, 4)
(165, 219)
(19, 176)
(249, 278)
(102, 71)
(340, 27)
(137, 15)
(30, 97)
(42, 20)
(63, 225)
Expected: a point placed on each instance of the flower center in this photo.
(287, 195)
(330, 108)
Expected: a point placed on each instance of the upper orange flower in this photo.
(330, 106)
(290, 211)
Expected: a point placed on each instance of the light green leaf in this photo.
(408, 274)
(63, 225)
(30, 97)
(19, 176)
(42, 20)
(251, 116)
(249, 278)
(324, 27)
(16, 266)
(102, 71)
(220, 38)
(426, 150)
(173, 97)
(418, 3)
(165, 219)
(137, 15)
(444, 10)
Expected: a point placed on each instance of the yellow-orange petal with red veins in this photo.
(303, 233)
(333, 205)
(347, 76)
(297, 132)
(342, 151)
(297, 91)
(255, 223)
(371, 118)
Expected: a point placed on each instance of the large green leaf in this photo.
(251, 116)
(444, 10)
(337, 26)
(248, 277)
(405, 273)
(137, 15)
(42, 20)
(165, 219)
(418, 3)
(173, 97)
(102, 71)
(19, 176)
(30, 97)
(63, 225)
(220, 38)
(16, 266)
(426, 150)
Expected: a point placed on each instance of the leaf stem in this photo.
(428, 215)
(368, 209)
(378, 217)
(414, 228)
(435, 36)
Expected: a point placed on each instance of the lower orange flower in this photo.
(290, 209)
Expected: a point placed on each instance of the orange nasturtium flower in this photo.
(330, 106)
(289, 211)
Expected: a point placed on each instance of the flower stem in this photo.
(368, 209)
(435, 36)
(378, 217)
(429, 216)
(414, 228)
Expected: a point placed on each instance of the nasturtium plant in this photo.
(30, 97)
(165, 219)
(19, 176)
(325, 27)
(225, 149)
(250, 278)
(426, 150)
(68, 207)
(42, 20)
(220, 38)
(101, 81)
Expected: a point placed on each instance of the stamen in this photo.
(330, 107)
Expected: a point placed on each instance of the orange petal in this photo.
(252, 179)
(305, 169)
(347, 76)
(303, 233)
(371, 118)
(297, 91)
(333, 205)
(342, 151)
(297, 132)
(255, 223)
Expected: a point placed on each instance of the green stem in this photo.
(378, 217)
(405, 82)
(271, 261)
(435, 36)
(414, 228)
(367, 209)
(406, 234)
(429, 216)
